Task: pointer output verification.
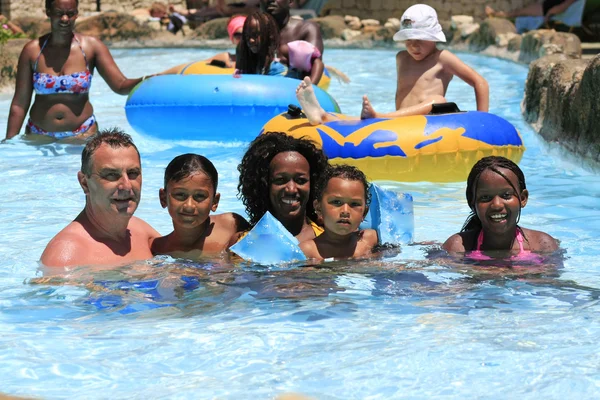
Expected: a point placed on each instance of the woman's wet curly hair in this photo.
(493, 163)
(268, 37)
(253, 187)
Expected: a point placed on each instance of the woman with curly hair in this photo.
(256, 50)
(278, 174)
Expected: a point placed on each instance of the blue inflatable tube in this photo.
(212, 107)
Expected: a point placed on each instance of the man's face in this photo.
(115, 183)
(275, 7)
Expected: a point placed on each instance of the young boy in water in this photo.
(342, 201)
(190, 194)
(423, 71)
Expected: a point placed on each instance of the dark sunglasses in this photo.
(237, 35)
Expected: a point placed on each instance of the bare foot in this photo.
(309, 103)
(367, 109)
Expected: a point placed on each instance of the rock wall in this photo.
(561, 103)
(35, 8)
(384, 9)
(377, 9)
(9, 57)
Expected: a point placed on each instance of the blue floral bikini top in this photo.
(76, 83)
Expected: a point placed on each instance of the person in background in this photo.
(545, 8)
(293, 29)
(423, 72)
(59, 67)
(256, 52)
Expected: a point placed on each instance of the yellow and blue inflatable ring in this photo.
(204, 68)
(435, 148)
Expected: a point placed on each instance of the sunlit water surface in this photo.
(402, 327)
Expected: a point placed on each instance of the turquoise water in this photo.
(403, 327)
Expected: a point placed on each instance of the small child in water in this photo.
(424, 72)
(190, 194)
(496, 193)
(342, 201)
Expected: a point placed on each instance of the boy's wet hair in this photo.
(493, 163)
(253, 187)
(113, 137)
(49, 4)
(188, 164)
(268, 34)
(343, 171)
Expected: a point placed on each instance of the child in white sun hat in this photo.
(423, 72)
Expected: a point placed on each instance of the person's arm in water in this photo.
(455, 66)
(109, 70)
(23, 90)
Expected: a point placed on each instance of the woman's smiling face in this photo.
(289, 185)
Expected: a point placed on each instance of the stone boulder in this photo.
(543, 42)
(33, 27)
(331, 26)
(370, 22)
(561, 103)
(114, 26)
(9, 58)
(393, 23)
(213, 29)
(489, 29)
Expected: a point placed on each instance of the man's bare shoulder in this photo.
(63, 249)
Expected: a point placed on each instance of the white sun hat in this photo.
(420, 22)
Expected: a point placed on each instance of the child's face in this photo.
(289, 188)
(253, 37)
(419, 49)
(343, 206)
(190, 200)
(496, 203)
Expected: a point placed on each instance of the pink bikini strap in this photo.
(480, 240)
(519, 237)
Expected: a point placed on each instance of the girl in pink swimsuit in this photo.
(496, 193)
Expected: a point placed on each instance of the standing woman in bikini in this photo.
(59, 67)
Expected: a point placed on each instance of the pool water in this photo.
(407, 326)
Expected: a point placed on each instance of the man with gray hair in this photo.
(105, 232)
